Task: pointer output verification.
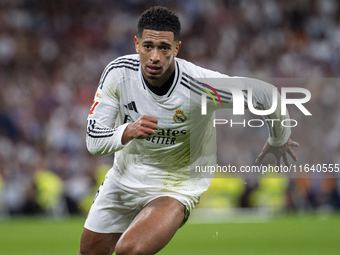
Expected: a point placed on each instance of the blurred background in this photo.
(52, 54)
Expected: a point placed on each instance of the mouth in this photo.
(153, 69)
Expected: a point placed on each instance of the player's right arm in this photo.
(103, 137)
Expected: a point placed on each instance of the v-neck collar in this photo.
(166, 89)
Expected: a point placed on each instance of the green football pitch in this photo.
(281, 235)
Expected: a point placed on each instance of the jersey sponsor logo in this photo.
(179, 117)
(162, 140)
(131, 106)
(166, 136)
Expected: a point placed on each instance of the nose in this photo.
(154, 57)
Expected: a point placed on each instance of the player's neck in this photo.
(162, 90)
(162, 80)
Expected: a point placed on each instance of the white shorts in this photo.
(115, 207)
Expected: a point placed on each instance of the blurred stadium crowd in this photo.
(52, 54)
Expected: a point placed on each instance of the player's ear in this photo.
(178, 45)
(136, 44)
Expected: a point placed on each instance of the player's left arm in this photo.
(279, 142)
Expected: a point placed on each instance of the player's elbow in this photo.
(95, 153)
(94, 150)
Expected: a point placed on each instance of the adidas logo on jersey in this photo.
(131, 106)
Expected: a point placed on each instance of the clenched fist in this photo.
(142, 128)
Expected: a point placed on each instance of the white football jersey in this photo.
(167, 160)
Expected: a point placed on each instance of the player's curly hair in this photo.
(159, 19)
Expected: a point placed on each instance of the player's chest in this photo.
(171, 112)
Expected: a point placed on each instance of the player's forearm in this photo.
(258, 95)
(278, 126)
(127, 136)
(105, 141)
(262, 99)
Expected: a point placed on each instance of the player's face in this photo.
(157, 51)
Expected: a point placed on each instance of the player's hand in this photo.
(279, 152)
(142, 128)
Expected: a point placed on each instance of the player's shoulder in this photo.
(196, 71)
(130, 62)
(120, 69)
(130, 58)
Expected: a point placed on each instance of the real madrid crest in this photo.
(179, 116)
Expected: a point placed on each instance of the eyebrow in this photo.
(162, 43)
